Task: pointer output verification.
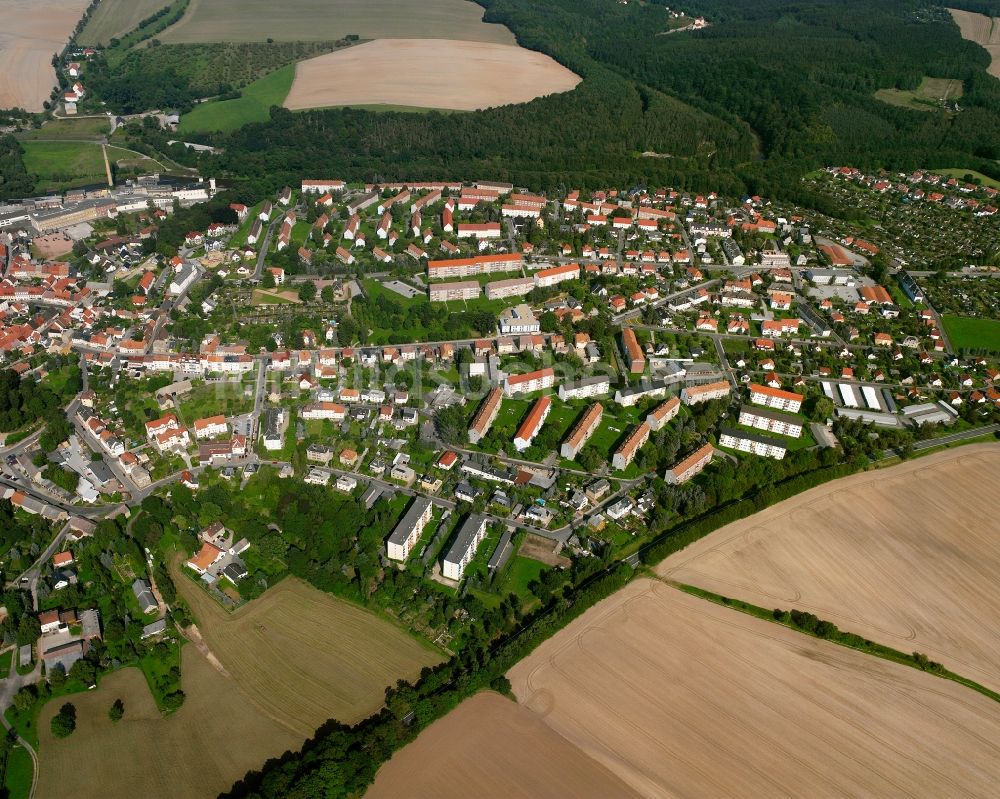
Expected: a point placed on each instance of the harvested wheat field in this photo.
(201, 750)
(427, 73)
(492, 748)
(982, 30)
(907, 556)
(323, 20)
(680, 697)
(303, 656)
(113, 18)
(31, 32)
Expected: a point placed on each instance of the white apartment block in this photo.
(406, 534)
(771, 421)
(211, 427)
(585, 387)
(461, 553)
(692, 465)
(528, 382)
(775, 398)
(461, 290)
(753, 443)
(324, 410)
(692, 395)
(626, 452)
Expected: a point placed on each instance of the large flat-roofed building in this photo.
(582, 431)
(754, 443)
(511, 287)
(485, 416)
(518, 321)
(770, 421)
(470, 536)
(633, 352)
(626, 452)
(692, 395)
(663, 413)
(775, 398)
(478, 265)
(532, 423)
(529, 381)
(690, 466)
(407, 532)
(461, 290)
(585, 387)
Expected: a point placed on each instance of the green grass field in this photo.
(112, 18)
(20, 773)
(253, 106)
(316, 20)
(75, 128)
(521, 572)
(974, 334)
(60, 165)
(960, 173)
(925, 97)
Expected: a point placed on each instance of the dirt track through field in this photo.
(31, 32)
(907, 556)
(492, 748)
(982, 30)
(680, 697)
(427, 73)
(303, 656)
(199, 751)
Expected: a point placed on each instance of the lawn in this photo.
(214, 398)
(61, 165)
(518, 575)
(5, 660)
(253, 106)
(373, 289)
(78, 128)
(19, 774)
(970, 333)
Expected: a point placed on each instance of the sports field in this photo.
(982, 30)
(966, 332)
(303, 656)
(907, 556)
(113, 18)
(253, 106)
(680, 697)
(201, 750)
(319, 20)
(440, 73)
(492, 748)
(30, 32)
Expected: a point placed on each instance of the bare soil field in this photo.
(492, 748)
(31, 32)
(429, 73)
(318, 20)
(907, 556)
(304, 657)
(200, 750)
(542, 550)
(114, 18)
(680, 697)
(982, 30)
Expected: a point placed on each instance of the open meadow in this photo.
(320, 20)
(212, 741)
(432, 73)
(982, 30)
(31, 32)
(931, 94)
(303, 656)
(253, 105)
(467, 745)
(680, 697)
(113, 18)
(907, 556)
(973, 333)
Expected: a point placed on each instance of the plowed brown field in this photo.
(982, 30)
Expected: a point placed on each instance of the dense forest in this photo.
(769, 91)
(14, 178)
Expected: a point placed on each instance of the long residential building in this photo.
(692, 395)
(529, 381)
(556, 274)
(633, 352)
(485, 416)
(478, 265)
(407, 532)
(582, 431)
(663, 413)
(532, 423)
(460, 290)
(325, 410)
(783, 424)
(775, 398)
(627, 451)
(754, 443)
(690, 466)
(511, 287)
(585, 387)
(461, 553)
